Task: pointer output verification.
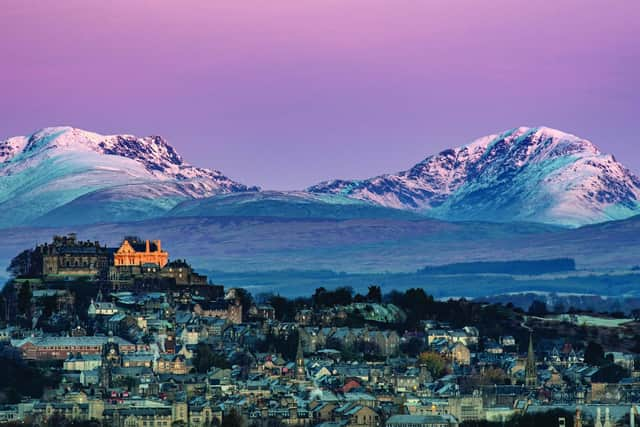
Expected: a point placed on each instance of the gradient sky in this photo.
(284, 94)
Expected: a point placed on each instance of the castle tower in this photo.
(301, 374)
(530, 373)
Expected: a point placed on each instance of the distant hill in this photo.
(537, 267)
(292, 204)
(355, 245)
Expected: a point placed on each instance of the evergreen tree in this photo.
(374, 294)
(24, 298)
(594, 354)
(538, 308)
(232, 419)
(205, 359)
(21, 264)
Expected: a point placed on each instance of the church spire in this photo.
(300, 368)
(530, 373)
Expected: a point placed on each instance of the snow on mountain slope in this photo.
(289, 204)
(56, 166)
(67, 176)
(524, 174)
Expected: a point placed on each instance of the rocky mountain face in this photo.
(524, 174)
(123, 175)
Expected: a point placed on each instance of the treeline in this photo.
(19, 379)
(532, 268)
(492, 319)
(286, 308)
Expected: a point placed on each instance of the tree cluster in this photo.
(434, 363)
(323, 298)
(205, 359)
(19, 379)
(285, 345)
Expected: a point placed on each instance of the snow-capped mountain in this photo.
(74, 175)
(67, 176)
(524, 174)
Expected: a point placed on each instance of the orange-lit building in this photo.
(135, 252)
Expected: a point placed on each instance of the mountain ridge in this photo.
(559, 177)
(56, 166)
(67, 176)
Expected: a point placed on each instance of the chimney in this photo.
(146, 248)
(159, 246)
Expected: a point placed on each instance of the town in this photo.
(126, 336)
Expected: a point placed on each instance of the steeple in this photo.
(110, 360)
(300, 368)
(530, 373)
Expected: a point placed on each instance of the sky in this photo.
(286, 93)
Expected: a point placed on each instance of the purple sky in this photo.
(286, 93)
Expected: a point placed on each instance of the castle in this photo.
(67, 256)
(135, 263)
(134, 252)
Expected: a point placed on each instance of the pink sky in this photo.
(283, 94)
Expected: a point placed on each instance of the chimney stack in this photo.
(159, 246)
(146, 249)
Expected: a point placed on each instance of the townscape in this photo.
(126, 336)
(363, 213)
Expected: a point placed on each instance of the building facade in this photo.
(66, 256)
(59, 348)
(133, 251)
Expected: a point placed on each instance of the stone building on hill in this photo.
(135, 265)
(229, 309)
(182, 273)
(67, 257)
(134, 252)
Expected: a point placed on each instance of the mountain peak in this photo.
(537, 174)
(159, 158)
(58, 165)
(551, 132)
